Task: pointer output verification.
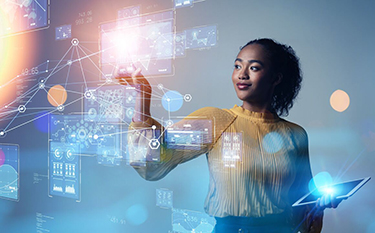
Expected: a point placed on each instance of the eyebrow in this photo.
(250, 61)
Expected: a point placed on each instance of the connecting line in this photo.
(67, 76)
(91, 60)
(52, 72)
(79, 99)
(11, 121)
(51, 96)
(40, 5)
(83, 74)
(32, 96)
(359, 155)
(22, 96)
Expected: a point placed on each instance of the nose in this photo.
(243, 75)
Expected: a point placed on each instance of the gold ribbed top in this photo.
(268, 171)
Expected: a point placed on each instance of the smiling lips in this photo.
(243, 86)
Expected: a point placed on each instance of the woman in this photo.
(252, 191)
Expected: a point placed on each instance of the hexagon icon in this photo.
(154, 144)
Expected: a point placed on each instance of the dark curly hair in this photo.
(284, 61)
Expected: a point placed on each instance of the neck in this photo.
(263, 108)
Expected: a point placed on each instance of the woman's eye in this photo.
(237, 67)
(254, 68)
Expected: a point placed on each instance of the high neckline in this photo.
(257, 116)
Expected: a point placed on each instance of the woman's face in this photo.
(253, 77)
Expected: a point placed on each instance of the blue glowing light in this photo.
(272, 142)
(136, 214)
(172, 101)
(320, 180)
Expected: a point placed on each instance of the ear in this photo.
(278, 79)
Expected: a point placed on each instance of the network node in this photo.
(69, 63)
(88, 95)
(169, 123)
(75, 42)
(22, 108)
(154, 144)
(153, 127)
(160, 86)
(60, 108)
(188, 97)
(2, 133)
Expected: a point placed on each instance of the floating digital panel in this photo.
(9, 172)
(164, 198)
(140, 154)
(231, 148)
(182, 3)
(144, 41)
(111, 104)
(63, 32)
(188, 134)
(180, 44)
(64, 170)
(186, 221)
(88, 137)
(201, 37)
(20, 16)
(128, 12)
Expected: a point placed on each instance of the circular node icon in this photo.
(60, 108)
(108, 80)
(160, 86)
(92, 113)
(70, 154)
(41, 85)
(22, 108)
(88, 94)
(2, 133)
(58, 153)
(187, 97)
(154, 144)
(69, 63)
(172, 101)
(153, 127)
(130, 113)
(169, 123)
(75, 42)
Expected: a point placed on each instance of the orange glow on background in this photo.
(339, 100)
(57, 95)
(16, 53)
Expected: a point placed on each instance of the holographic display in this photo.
(201, 37)
(88, 137)
(189, 134)
(182, 3)
(110, 103)
(128, 12)
(24, 15)
(139, 154)
(164, 198)
(144, 41)
(63, 32)
(64, 170)
(184, 221)
(231, 148)
(9, 172)
(180, 44)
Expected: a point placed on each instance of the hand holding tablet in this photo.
(323, 196)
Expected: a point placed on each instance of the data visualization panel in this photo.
(188, 134)
(145, 41)
(185, 221)
(9, 172)
(63, 32)
(201, 37)
(19, 16)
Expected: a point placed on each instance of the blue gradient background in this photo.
(335, 43)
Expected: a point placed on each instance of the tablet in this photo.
(340, 191)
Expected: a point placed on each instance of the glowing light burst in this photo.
(126, 45)
(320, 180)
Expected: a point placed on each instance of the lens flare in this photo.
(339, 100)
(57, 95)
